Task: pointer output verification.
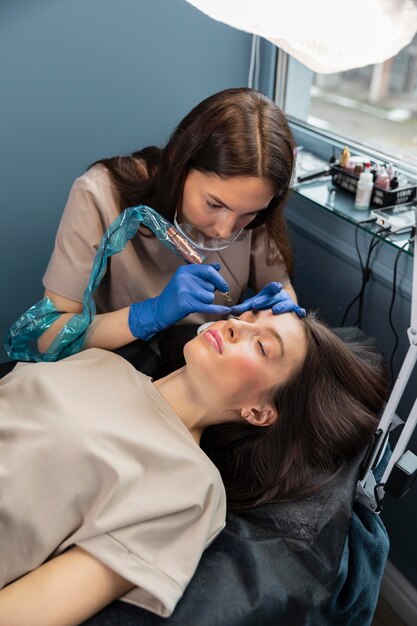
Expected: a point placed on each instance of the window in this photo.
(375, 106)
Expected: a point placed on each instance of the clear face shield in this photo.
(208, 244)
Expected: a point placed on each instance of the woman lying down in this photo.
(105, 491)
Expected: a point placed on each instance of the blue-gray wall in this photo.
(85, 79)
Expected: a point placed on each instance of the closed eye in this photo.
(213, 205)
(261, 347)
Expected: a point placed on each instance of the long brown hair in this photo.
(236, 132)
(327, 413)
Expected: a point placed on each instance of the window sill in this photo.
(335, 200)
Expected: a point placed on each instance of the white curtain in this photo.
(325, 35)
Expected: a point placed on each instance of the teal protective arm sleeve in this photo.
(21, 340)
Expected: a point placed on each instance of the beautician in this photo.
(222, 178)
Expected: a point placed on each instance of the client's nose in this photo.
(232, 330)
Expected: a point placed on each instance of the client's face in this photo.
(242, 359)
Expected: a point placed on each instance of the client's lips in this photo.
(215, 339)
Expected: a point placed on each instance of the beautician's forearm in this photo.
(63, 592)
(108, 330)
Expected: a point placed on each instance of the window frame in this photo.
(323, 142)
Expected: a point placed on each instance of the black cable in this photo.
(358, 252)
(377, 497)
(366, 274)
(377, 238)
(361, 265)
(391, 306)
(369, 221)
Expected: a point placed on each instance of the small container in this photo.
(344, 157)
(393, 183)
(349, 168)
(390, 171)
(382, 179)
(402, 180)
(364, 189)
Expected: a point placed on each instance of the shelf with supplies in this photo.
(322, 192)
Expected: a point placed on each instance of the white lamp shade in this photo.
(325, 35)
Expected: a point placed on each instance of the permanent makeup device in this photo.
(189, 253)
(185, 249)
(396, 217)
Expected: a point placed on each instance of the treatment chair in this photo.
(6, 367)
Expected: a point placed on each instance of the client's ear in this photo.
(260, 416)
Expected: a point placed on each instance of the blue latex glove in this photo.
(190, 290)
(272, 296)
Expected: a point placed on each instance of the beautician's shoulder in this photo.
(96, 181)
(94, 191)
(98, 176)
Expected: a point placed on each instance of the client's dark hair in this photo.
(327, 413)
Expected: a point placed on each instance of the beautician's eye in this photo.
(214, 205)
(262, 349)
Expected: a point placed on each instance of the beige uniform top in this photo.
(91, 454)
(146, 265)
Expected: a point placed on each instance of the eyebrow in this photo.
(216, 199)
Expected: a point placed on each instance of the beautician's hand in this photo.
(272, 296)
(190, 290)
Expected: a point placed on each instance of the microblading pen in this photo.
(189, 253)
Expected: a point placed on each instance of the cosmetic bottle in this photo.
(364, 189)
(390, 170)
(393, 183)
(344, 157)
(349, 168)
(382, 180)
(402, 180)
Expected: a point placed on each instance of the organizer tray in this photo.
(380, 197)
